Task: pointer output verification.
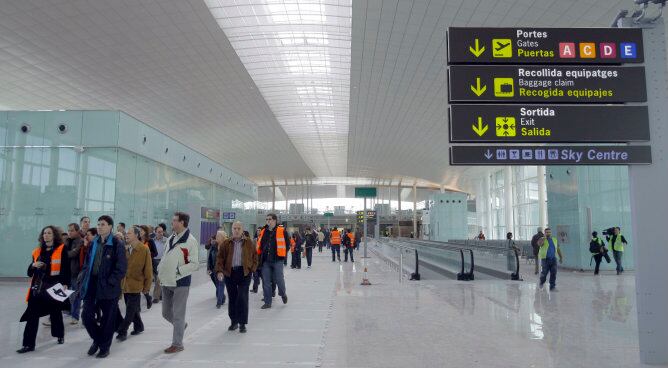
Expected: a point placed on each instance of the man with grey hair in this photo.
(235, 263)
(535, 247)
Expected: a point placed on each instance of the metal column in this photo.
(649, 208)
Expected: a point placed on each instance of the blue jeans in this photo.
(618, 260)
(548, 265)
(220, 289)
(75, 299)
(272, 272)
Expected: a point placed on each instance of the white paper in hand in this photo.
(58, 292)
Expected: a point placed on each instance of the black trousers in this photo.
(296, 261)
(309, 256)
(32, 324)
(320, 244)
(347, 251)
(101, 329)
(336, 251)
(132, 313)
(237, 291)
(256, 279)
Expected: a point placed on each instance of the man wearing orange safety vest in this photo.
(272, 250)
(349, 243)
(335, 240)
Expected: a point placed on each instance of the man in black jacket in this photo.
(100, 289)
(73, 247)
(272, 247)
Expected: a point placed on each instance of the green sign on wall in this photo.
(365, 192)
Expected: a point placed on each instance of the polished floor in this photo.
(332, 321)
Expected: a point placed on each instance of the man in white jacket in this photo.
(178, 262)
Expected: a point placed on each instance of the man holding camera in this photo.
(617, 242)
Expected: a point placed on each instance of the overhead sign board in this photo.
(365, 192)
(329, 214)
(545, 45)
(575, 84)
(548, 123)
(550, 155)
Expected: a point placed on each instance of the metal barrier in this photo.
(451, 261)
(492, 259)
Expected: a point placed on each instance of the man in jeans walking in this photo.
(159, 241)
(272, 249)
(549, 249)
(180, 260)
(617, 243)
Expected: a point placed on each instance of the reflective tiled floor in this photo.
(332, 321)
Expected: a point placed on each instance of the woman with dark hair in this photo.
(145, 232)
(296, 250)
(49, 267)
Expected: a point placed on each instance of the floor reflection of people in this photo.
(546, 306)
(600, 301)
(621, 306)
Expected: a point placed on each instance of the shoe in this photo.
(218, 306)
(61, 340)
(265, 306)
(122, 336)
(156, 301)
(254, 291)
(136, 332)
(173, 349)
(242, 328)
(93, 349)
(273, 294)
(25, 349)
(541, 285)
(74, 322)
(102, 354)
(285, 299)
(233, 327)
(553, 289)
(308, 267)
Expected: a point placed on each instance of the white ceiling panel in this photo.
(165, 62)
(298, 54)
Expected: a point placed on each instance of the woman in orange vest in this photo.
(296, 250)
(49, 267)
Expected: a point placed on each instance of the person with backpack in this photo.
(598, 251)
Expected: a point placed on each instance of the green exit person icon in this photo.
(505, 126)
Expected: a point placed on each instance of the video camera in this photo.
(609, 231)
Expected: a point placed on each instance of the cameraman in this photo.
(617, 241)
(598, 251)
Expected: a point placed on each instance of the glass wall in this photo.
(525, 197)
(491, 203)
(46, 181)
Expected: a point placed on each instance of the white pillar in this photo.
(542, 198)
(508, 195)
(399, 211)
(487, 188)
(415, 232)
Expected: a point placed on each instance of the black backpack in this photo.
(594, 246)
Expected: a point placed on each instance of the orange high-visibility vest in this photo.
(351, 236)
(335, 237)
(280, 241)
(56, 262)
(293, 244)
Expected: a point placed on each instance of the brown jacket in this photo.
(226, 251)
(139, 276)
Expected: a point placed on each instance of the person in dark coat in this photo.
(101, 276)
(50, 266)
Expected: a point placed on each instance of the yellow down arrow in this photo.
(477, 51)
(480, 129)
